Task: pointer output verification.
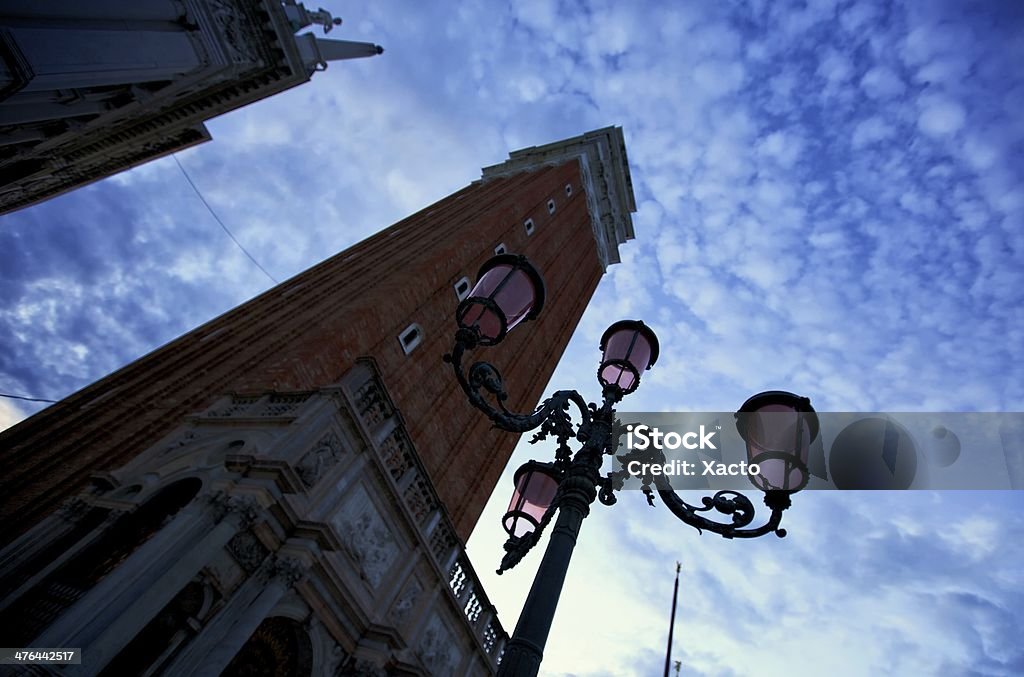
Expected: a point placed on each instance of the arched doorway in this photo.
(279, 647)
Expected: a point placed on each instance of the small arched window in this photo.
(462, 288)
(528, 225)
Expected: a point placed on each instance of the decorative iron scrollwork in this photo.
(598, 431)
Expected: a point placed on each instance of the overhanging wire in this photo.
(221, 223)
(217, 218)
(27, 399)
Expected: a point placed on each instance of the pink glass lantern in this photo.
(536, 484)
(508, 290)
(778, 428)
(629, 347)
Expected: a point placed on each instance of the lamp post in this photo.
(777, 427)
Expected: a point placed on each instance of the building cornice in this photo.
(604, 168)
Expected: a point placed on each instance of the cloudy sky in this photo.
(830, 201)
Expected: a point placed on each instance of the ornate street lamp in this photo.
(508, 291)
(777, 427)
(630, 347)
(536, 486)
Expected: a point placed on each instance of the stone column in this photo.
(239, 513)
(284, 573)
(16, 556)
(137, 584)
(40, 536)
(220, 641)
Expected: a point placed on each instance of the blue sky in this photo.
(830, 201)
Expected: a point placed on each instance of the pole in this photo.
(525, 650)
(672, 624)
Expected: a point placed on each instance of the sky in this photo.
(830, 201)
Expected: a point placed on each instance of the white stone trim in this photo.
(604, 169)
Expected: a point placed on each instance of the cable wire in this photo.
(217, 218)
(27, 399)
(214, 214)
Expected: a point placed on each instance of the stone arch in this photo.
(55, 593)
(279, 647)
(168, 629)
(215, 446)
(128, 492)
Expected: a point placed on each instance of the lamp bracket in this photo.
(484, 382)
(729, 503)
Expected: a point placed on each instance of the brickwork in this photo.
(306, 332)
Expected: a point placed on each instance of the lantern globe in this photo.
(535, 487)
(508, 291)
(778, 428)
(628, 348)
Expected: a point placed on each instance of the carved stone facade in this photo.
(90, 89)
(290, 538)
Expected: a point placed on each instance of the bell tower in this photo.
(566, 206)
(304, 470)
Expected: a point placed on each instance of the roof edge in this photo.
(604, 168)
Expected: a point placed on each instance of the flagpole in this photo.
(672, 622)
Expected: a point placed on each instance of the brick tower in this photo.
(308, 446)
(567, 216)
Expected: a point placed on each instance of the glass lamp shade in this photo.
(508, 290)
(778, 428)
(629, 347)
(536, 484)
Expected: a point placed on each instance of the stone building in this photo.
(88, 89)
(291, 485)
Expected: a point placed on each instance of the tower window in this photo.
(410, 338)
(462, 288)
(568, 189)
(551, 206)
(528, 225)
(500, 249)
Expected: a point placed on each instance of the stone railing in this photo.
(471, 598)
(269, 406)
(397, 456)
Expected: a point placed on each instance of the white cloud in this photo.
(783, 147)
(980, 154)
(940, 116)
(835, 67)
(882, 83)
(854, 18)
(718, 78)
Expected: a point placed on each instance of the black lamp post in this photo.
(777, 427)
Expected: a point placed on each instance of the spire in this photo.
(316, 52)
